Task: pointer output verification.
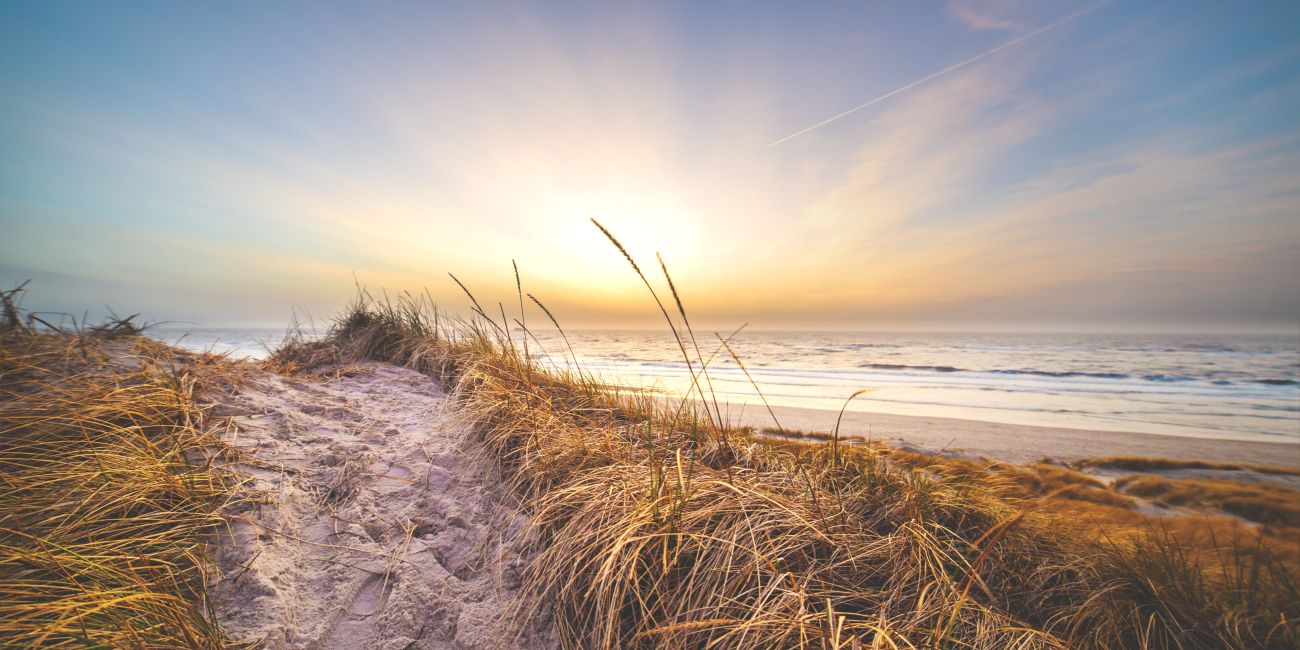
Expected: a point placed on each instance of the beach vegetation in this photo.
(1144, 464)
(107, 502)
(1263, 503)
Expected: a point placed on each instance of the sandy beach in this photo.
(1022, 443)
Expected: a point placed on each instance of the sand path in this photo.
(379, 529)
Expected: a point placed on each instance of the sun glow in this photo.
(645, 225)
(957, 191)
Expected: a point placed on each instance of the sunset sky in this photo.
(1074, 165)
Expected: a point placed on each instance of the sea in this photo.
(1238, 387)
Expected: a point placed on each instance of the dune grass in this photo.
(657, 524)
(1258, 502)
(1142, 464)
(102, 518)
(796, 434)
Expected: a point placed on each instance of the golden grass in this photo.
(1143, 464)
(657, 525)
(1264, 503)
(1028, 481)
(796, 434)
(102, 519)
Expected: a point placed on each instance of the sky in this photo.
(1012, 164)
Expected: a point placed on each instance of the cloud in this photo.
(1168, 226)
(998, 185)
(925, 151)
(986, 15)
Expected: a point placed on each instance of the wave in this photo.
(1028, 372)
(1064, 373)
(780, 367)
(900, 366)
(1157, 378)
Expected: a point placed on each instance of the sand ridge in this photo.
(379, 528)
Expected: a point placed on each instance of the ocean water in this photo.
(1244, 387)
(239, 342)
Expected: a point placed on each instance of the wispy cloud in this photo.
(917, 225)
(1041, 168)
(986, 15)
(948, 70)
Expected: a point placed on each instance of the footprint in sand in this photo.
(368, 544)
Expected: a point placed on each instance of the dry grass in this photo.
(1263, 503)
(1142, 464)
(656, 525)
(796, 434)
(1033, 481)
(102, 519)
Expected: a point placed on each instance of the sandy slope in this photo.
(379, 530)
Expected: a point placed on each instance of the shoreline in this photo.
(1020, 443)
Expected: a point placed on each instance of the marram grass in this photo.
(102, 518)
(655, 524)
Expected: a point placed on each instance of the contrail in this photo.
(945, 71)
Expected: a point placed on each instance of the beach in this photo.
(1245, 383)
(1181, 387)
(398, 483)
(1020, 443)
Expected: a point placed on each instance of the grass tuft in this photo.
(105, 501)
